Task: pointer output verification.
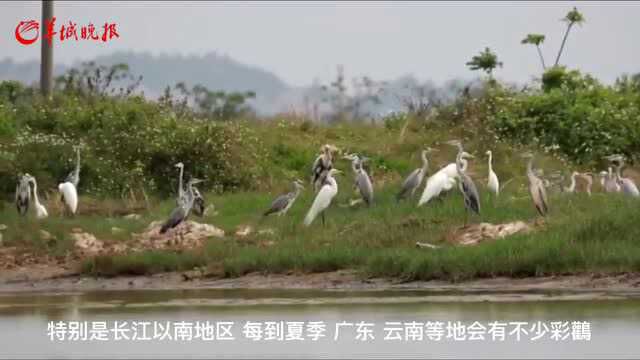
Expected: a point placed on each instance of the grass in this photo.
(582, 234)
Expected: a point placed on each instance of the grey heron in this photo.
(466, 184)
(181, 212)
(493, 184)
(536, 188)
(41, 211)
(414, 180)
(323, 199)
(74, 176)
(627, 186)
(322, 165)
(198, 202)
(361, 179)
(23, 194)
(283, 203)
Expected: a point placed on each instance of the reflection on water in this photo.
(615, 324)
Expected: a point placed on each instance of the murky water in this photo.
(171, 324)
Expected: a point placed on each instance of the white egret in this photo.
(323, 199)
(493, 183)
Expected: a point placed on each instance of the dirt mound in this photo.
(187, 235)
(477, 233)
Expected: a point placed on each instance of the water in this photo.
(614, 324)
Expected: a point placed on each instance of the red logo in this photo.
(28, 31)
(26, 27)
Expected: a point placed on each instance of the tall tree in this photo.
(486, 61)
(46, 51)
(573, 17)
(537, 40)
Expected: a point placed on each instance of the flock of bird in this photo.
(190, 199)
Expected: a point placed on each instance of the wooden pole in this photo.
(46, 53)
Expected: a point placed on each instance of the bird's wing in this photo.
(365, 186)
(470, 192)
(493, 182)
(539, 197)
(278, 204)
(435, 185)
(177, 215)
(321, 202)
(411, 182)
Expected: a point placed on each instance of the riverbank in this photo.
(52, 279)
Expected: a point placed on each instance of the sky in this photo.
(303, 41)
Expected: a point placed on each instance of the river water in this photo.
(313, 324)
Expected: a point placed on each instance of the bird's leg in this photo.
(323, 221)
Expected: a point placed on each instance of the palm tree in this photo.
(573, 17)
(536, 39)
(486, 61)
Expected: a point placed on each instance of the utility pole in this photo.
(46, 53)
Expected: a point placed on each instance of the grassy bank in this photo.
(582, 234)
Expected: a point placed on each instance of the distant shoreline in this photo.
(565, 287)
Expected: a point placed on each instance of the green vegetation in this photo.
(130, 144)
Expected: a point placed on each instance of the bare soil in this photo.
(61, 279)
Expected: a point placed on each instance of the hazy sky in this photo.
(303, 41)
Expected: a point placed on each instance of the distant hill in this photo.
(220, 72)
(216, 72)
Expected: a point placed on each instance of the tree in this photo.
(486, 61)
(537, 40)
(573, 17)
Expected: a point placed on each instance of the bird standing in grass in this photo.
(69, 188)
(610, 182)
(283, 203)
(198, 201)
(493, 184)
(442, 181)
(572, 186)
(361, 179)
(41, 211)
(467, 186)
(536, 188)
(588, 178)
(626, 185)
(23, 194)
(323, 199)
(322, 165)
(414, 180)
(181, 212)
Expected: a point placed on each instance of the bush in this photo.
(128, 144)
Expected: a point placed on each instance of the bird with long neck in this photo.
(626, 185)
(323, 199)
(41, 211)
(361, 179)
(466, 185)
(492, 182)
(413, 181)
(536, 188)
(181, 212)
(283, 203)
(181, 193)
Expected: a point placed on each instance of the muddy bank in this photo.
(60, 280)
